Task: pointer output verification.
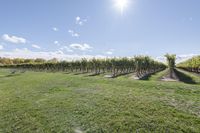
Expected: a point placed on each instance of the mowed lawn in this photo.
(58, 103)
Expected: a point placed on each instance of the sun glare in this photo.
(121, 5)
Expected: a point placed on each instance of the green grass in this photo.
(189, 76)
(56, 102)
(158, 76)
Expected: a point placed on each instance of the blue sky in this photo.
(73, 28)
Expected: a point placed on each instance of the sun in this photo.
(121, 5)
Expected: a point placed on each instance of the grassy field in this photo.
(58, 102)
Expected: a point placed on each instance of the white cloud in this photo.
(73, 34)
(184, 57)
(57, 43)
(27, 54)
(80, 21)
(179, 58)
(59, 52)
(66, 48)
(36, 46)
(1, 47)
(82, 47)
(161, 59)
(23, 50)
(55, 29)
(110, 51)
(13, 39)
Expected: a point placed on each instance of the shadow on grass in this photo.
(94, 74)
(184, 78)
(80, 73)
(13, 75)
(9, 76)
(147, 77)
(67, 72)
(121, 74)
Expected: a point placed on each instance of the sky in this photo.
(68, 29)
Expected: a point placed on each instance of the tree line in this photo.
(141, 65)
(9, 61)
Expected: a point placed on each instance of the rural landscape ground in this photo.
(60, 102)
(99, 66)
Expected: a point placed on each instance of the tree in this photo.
(171, 63)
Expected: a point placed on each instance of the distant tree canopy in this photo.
(18, 61)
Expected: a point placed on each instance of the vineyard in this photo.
(192, 65)
(38, 95)
(140, 65)
(100, 66)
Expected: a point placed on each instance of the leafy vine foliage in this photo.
(141, 65)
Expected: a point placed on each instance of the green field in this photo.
(58, 102)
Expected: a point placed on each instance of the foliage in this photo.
(171, 60)
(192, 65)
(171, 65)
(17, 61)
(141, 65)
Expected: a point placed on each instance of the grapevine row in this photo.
(141, 65)
(192, 65)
